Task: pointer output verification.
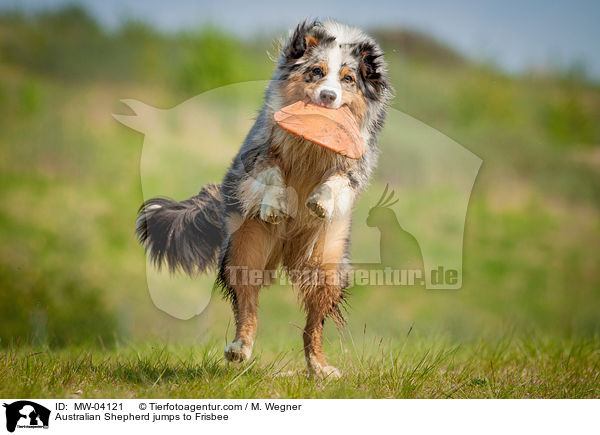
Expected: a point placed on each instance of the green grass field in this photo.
(77, 318)
(409, 368)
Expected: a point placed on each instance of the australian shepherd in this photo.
(285, 202)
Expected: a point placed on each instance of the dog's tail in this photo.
(183, 235)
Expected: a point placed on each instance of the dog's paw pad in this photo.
(272, 215)
(237, 351)
(320, 208)
(320, 202)
(274, 207)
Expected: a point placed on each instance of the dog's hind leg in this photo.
(242, 274)
(322, 290)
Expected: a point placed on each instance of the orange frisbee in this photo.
(334, 129)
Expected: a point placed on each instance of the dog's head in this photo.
(332, 64)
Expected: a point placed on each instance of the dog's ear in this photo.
(303, 39)
(372, 67)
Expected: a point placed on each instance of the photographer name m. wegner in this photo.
(386, 276)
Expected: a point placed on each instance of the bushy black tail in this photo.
(183, 235)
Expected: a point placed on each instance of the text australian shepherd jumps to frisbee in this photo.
(287, 198)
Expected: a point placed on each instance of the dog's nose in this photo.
(327, 96)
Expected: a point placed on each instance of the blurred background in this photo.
(516, 84)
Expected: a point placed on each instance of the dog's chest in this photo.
(303, 164)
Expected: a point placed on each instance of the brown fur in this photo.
(311, 40)
(296, 89)
(304, 243)
(251, 246)
(356, 104)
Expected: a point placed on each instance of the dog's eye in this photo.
(348, 78)
(317, 71)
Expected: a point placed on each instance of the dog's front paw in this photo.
(237, 351)
(274, 206)
(323, 372)
(321, 202)
(330, 372)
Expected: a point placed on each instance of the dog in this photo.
(285, 202)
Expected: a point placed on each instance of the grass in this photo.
(414, 368)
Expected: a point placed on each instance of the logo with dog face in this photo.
(25, 414)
